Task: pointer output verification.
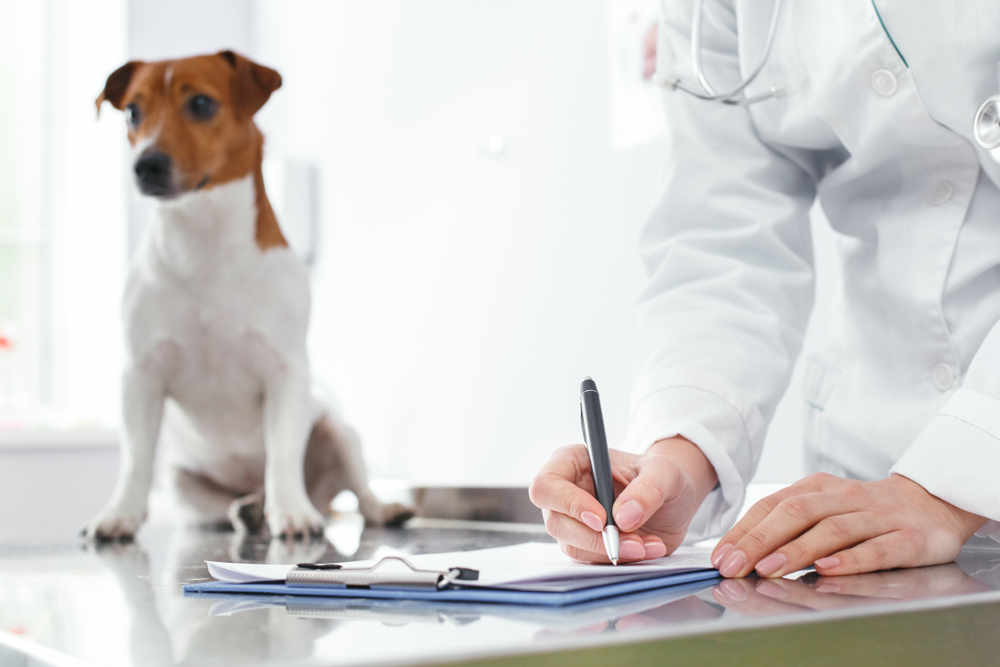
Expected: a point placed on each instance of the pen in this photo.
(592, 423)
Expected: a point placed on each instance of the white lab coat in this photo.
(907, 378)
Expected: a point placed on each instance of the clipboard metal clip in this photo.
(334, 574)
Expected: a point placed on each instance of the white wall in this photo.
(478, 225)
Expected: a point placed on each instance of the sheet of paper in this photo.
(519, 564)
(537, 561)
(245, 573)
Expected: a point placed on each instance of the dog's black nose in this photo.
(152, 172)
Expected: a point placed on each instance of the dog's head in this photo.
(190, 121)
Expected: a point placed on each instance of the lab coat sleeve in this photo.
(728, 253)
(957, 455)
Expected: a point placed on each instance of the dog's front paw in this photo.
(247, 513)
(115, 523)
(293, 519)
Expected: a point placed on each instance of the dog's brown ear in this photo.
(252, 85)
(116, 85)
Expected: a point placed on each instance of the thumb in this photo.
(658, 482)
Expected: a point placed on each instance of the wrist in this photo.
(693, 464)
(966, 522)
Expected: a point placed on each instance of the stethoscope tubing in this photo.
(735, 96)
(985, 126)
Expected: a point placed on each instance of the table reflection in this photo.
(165, 627)
(974, 573)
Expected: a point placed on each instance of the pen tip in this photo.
(615, 562)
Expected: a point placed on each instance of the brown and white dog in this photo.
(216, 310)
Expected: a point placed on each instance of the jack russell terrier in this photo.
(216, 310)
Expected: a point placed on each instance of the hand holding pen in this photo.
(658, 494)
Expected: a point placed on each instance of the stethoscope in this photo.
(985, 126)
(736, 95)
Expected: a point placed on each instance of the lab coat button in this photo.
(884, 82)
(944, 377)
(942, 193)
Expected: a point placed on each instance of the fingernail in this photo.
(631, 550)
(828, 587)
(629, 515)
(721, 553)
(771, 590)
(827, 563)
(592, 521)
(733, 564)
(733, 590)
(771, 564)
(655, 549)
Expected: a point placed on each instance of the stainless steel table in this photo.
(123, 605)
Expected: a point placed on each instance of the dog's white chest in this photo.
(218, 319)
(223, 360)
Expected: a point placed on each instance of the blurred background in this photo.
(466, 178)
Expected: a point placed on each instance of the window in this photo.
(62, 213)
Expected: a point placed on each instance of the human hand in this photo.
(845, 527)
(657, 495)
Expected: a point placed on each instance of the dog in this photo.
(216, 310)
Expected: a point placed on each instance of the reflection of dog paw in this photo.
(293, 520)
(388, 514)
(284, 551)
(116, 523)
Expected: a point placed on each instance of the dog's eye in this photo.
(132, 115)
(202, 107)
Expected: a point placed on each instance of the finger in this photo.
(659, 481)
(790, 518)
(571, 532)
(630, 550)
(762, 508)
(554, 488)
(886, 551)
(583, 556)
(830, 534)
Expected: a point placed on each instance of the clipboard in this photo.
(454, 584)
(399, 612)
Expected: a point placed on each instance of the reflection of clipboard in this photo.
(397, 578)
(405, 612)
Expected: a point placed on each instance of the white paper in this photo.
(245, 573)
(530, 562)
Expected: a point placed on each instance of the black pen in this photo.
(592, 423)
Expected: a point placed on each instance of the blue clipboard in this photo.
(501, 595)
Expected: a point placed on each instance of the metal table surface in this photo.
(123, 605)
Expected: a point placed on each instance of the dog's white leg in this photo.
(347, 442)
(142, 405)
(288, 420)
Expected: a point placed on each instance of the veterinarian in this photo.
(868, 109)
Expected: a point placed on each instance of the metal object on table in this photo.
(508, 504)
